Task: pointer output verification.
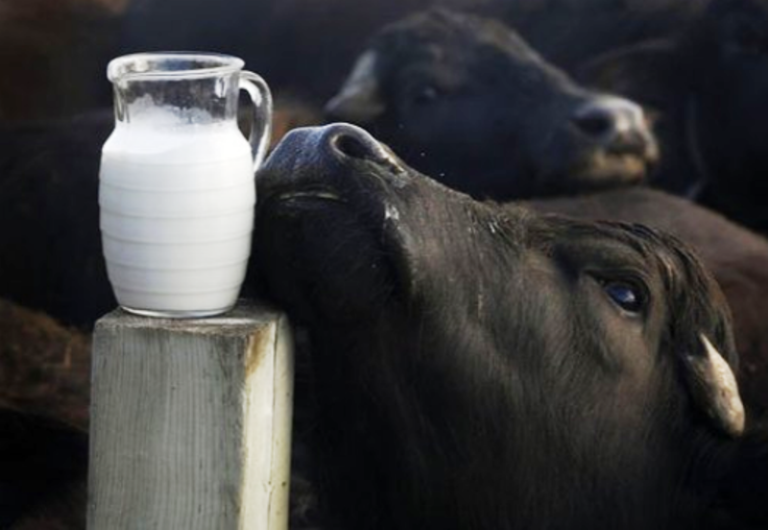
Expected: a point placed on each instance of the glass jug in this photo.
(176, 186)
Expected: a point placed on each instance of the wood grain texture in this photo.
(190, 422)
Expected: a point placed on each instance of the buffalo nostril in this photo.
(595, 124)
(349, 142)
(352, 146)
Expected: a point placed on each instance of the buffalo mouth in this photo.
(604, 169)
(294, 196)
(607, 142)
(583, 170)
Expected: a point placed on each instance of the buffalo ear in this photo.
(714, 389)
(359, 100)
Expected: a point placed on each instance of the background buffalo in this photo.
(707, 84)
(465, 99)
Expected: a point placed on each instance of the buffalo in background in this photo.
(459, 95)
(708, 86)
(465, 99)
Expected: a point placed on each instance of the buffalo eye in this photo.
(426, 95)
(625, 295)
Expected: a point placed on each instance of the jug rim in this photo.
(119, 67)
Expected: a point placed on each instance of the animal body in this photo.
(479, 366)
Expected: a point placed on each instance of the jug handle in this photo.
(261, 126)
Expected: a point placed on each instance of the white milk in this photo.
(177, 204)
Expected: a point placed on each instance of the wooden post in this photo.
(190, 422)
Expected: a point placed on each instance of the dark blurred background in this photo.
(53, 53)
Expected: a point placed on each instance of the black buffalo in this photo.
(459, 95)
(708, 85)
(481, 366)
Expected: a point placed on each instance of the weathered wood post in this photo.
(190, 422)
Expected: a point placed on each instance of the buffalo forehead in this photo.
(454, 36)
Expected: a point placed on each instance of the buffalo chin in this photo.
(605, 171)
